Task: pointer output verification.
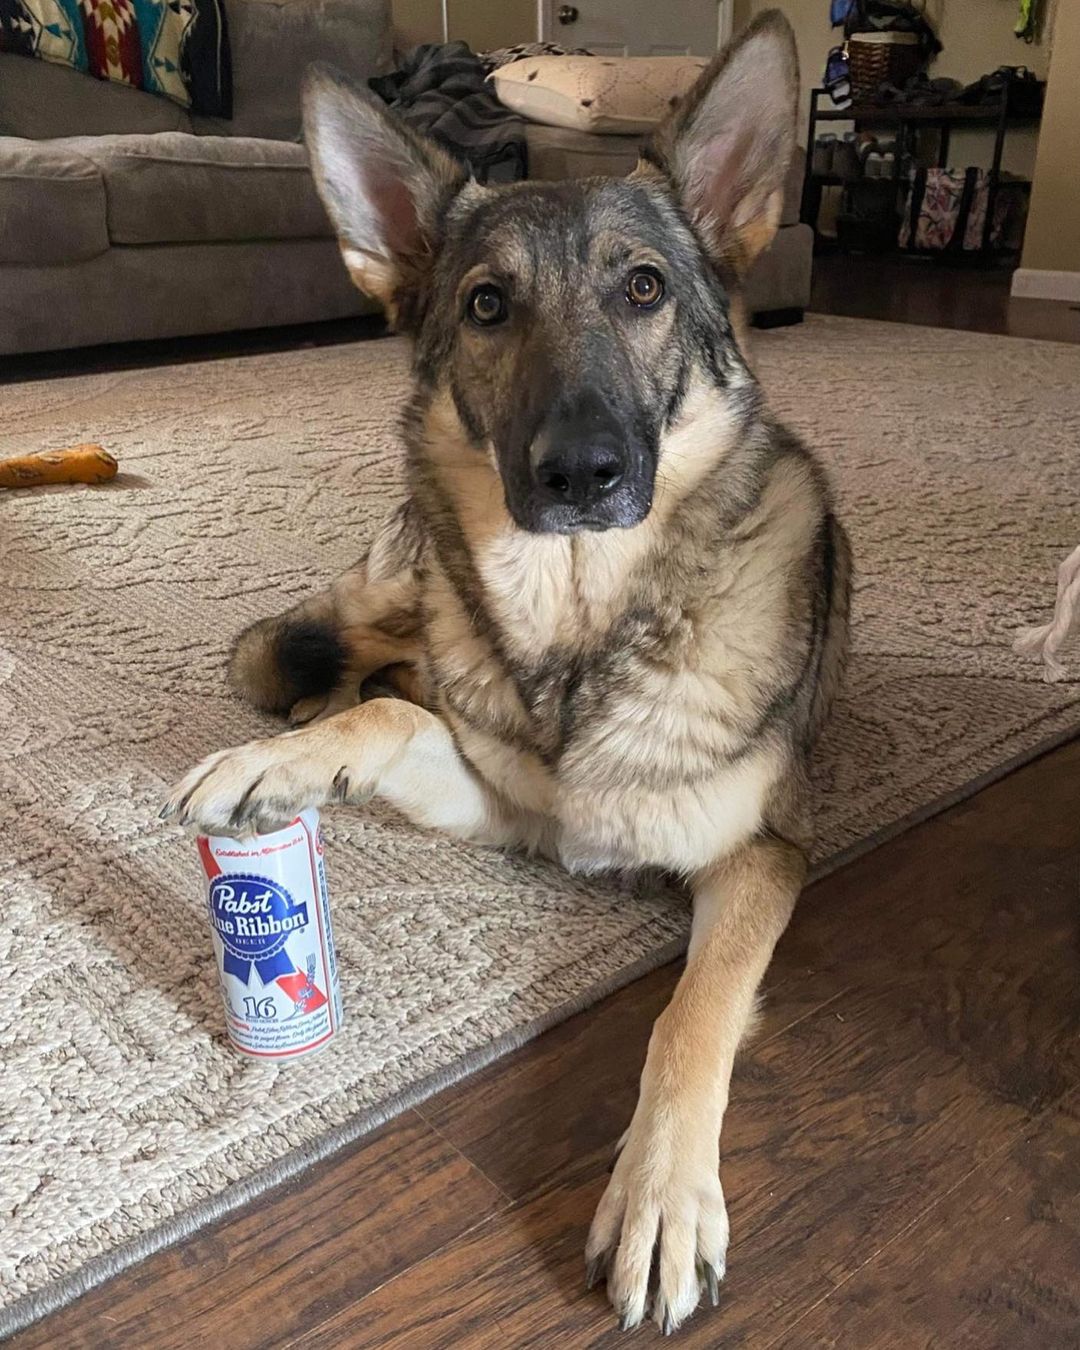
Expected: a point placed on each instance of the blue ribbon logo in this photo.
(254, 917)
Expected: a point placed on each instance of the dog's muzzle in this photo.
(584, 473)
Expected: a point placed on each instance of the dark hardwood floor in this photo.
(920, 290)
(901, 1157)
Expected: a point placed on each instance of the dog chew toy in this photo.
(1046, 640)
(74, 464)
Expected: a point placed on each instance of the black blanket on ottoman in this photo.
(442, 89)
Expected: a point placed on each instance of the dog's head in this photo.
(566, 320)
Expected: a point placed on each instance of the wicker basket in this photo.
(877, 58)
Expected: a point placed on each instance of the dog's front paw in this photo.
(255, 788)
(664, 1199)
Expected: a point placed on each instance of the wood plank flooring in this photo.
(921, 290)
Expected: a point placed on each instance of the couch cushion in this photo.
(52, 204)
(620, 95)
(42, 101)
(173, 188)
(274, 41)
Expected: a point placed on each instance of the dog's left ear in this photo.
(727, 147)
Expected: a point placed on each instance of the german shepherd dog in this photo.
(615, 599)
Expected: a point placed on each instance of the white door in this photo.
(637, 27)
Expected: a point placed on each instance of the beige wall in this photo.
(483, 24)
(977, 37)
(416, 21)
(1052, 241)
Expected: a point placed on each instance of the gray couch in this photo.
(122, 218)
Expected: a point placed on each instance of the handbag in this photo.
(945, 212)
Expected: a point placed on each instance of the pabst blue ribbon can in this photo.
(270, 919)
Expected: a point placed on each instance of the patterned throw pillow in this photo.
(176, 48)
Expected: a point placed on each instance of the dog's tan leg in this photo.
(665, 1190)
(385, 747)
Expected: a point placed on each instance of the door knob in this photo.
(567, 14)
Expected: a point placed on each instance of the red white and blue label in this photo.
(270, 919)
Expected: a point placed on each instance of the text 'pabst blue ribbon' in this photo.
(254, 917)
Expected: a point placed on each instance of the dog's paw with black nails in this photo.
(258, 787)
(659, 1238)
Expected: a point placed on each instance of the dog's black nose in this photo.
(579, 475)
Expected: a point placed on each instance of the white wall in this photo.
(1052, 242)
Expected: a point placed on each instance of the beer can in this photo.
(270, 920)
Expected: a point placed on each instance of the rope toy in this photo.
(1046, 639)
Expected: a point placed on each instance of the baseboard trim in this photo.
(1035, 283)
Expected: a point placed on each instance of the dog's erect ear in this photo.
(727, 147)
(383, 185)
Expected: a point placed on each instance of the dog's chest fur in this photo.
(618, 686)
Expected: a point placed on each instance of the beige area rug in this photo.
(125, 1120)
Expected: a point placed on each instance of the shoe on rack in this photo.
(846, 163)
(824, 155)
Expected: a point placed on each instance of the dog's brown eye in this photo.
(645, 288)
(487, 305)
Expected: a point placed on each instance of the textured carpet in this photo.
(124, 1118)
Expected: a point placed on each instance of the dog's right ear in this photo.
(727, 146)
(383, 185)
